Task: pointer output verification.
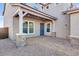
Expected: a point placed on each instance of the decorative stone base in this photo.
(20, 40)
(74, 41)
(53, 34)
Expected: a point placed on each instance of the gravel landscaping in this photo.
(39, 46)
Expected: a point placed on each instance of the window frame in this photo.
(28, 27)
(50, 27)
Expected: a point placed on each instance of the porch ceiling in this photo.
(32, 16)
(36, 13)
(35, 16)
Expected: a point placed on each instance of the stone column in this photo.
(54, 29)
(20, 37)
(21, 15)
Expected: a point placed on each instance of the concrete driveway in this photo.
(39, 46)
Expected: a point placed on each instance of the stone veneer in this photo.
(74, 41)
(21, 39)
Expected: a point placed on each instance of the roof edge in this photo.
(4, 9)
(71, 11)
(51, 17)
(40, 11)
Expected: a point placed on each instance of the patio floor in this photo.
(39, 46)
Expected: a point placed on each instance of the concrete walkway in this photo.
(39, 46)
(58, 45)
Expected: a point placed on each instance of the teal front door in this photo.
(41, 29)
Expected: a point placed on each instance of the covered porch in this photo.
(30, 23)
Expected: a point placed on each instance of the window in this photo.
(31, 27)
(57, 3)
(28, 27)
(75, 5)
(25, 27)
(48, 27)
(47, 7)
(42, 7)
(35, 5)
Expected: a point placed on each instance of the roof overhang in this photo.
(35, 11)
(4, 9)
(72, 11)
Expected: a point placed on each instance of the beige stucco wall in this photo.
(15, 26)
(8, 18)
(62, 23)
(74, 25)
